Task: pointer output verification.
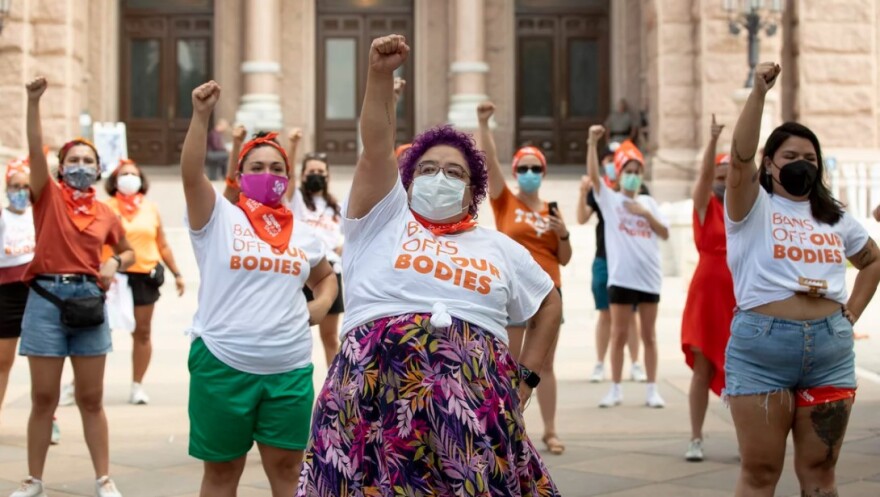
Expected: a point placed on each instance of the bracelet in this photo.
(118, 261)
(566, 237)
(176, 275)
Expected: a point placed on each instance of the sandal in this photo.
(554, 446)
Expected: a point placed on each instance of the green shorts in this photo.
(230, 409)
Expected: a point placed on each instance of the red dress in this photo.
(710, 301)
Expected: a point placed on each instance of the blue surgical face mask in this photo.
(79, 177)
(19, 199)
(529, 181)
(610, 172)
(630, 182)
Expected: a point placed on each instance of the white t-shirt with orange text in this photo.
(780, 249)
(252, 314)
(392, 265)
(631, 246)
(17, 239)
(327, 225)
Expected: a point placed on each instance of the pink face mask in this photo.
(265, 188)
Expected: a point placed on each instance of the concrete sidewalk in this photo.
(629, 451)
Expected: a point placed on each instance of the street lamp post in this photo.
(748, 15)
(5, 6)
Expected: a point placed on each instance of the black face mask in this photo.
(315, 183)
(718, 190)
(798, 177)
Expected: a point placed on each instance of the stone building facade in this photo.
(553, 67)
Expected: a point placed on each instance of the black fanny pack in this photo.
(156, 277)
(76, 312)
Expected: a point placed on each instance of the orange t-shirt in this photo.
(142, 233)
(61, 247)
(530, 229)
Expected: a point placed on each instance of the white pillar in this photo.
(260, 107)
(469, 67)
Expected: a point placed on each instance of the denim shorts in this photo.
(767, 354)
(42, 333)
(600, 283)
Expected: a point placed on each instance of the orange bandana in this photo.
(448, 228)
(269, 139)
(80, 206)
(273, 225)
(627, 151)
(129, 205)
(524, 151)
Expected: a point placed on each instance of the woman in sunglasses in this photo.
(527, 219)
(313, 204)
(423, 394)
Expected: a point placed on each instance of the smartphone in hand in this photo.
(554, 209)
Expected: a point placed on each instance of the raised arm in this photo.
(197, 188)
(596, 133)
(486, 141)
(584, 211)
(293, 139)
(39, 165)
(376, 170)
(703, 186)
(742, 180)
(231, 191)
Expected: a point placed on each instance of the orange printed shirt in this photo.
(530, 229)
(61, 247)
(142, 233)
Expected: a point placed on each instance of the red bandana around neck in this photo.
(274, 225)
(129, 205)
(80, 206)
(447, 228)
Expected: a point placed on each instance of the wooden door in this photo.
(563, 78)
(344, 36)
(164, 57)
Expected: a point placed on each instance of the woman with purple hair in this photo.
(424, 394)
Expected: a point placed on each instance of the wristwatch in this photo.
(118, 261)
(528, 376)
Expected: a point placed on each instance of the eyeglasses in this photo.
(322, 156)
(525, 169)
(451, 171)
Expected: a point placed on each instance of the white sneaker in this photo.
(695, 451)
(637, 373)
(30, 487)
(56, 434)
(67, 397)
(598, 373)
(105, 487)
(613, 398)
(138, 395)
(654, 399)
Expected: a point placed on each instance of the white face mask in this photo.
(128, 184)
(437, 197)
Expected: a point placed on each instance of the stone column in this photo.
(468, 67)
(260, 107)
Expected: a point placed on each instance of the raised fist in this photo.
(399, 86)
(716, 128)
(765, 76)
(239, 133)
(295, 135)
(597, 131)
(388, 53)
(485, 110)
(586, 184)
(205, 97)
(36, 87)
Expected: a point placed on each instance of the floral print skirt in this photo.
(413, 410)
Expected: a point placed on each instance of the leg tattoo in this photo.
(829, 422)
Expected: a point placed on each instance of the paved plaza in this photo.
(629, 451)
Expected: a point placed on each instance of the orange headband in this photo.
(722, 159)
(62, 153)
(528, 151)
(627, 151)
(269, 139)
(401, 149)
(20, 165)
